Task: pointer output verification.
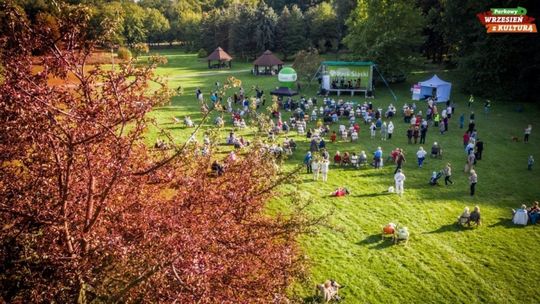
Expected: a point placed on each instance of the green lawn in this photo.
(442, 263)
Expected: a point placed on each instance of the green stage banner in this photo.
(350, 73)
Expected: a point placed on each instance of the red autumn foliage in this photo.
(90, 213)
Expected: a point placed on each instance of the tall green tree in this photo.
(493, 65)
(134, 27)
(265, 27)
(243, 31)
(323, 27)
(156, 24)
(107, 23)
(291, 31)
(386, 32)
(343, 9)
(214, 30)
(306, 63)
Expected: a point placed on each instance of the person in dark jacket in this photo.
(423, 132)
(479, 149)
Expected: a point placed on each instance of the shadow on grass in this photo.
(372, 174)
(448, 228)
(374, 194)
(312, 300)
(506, 223)
(375, 241)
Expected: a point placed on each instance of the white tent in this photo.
(433, 87)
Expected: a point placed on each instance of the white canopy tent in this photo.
(432, 87)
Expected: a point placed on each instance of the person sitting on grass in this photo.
(402, 234)
(337, 158)
(464, 217)
(231, 139)
(188, 122)
(475, 217)
(329, 291)
(362, 158)
(534, 213)
(217, 168)
(333, 137)
(520, 216)
(160, 144)
(354, 135)
(436, 150)
(354, 160)
(388, 230)
(341, 191)
(346, 160)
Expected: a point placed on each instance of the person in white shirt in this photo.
(354, 135)
(390, 129)
(373, 129)
(384, 131)
(315, 169)
(421, 156)
(399, 178)
(324, 165)
(527, 133)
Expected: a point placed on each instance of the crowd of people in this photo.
(325, 122)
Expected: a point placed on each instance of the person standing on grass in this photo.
(416, 133)
(530, 163)
(324, 164)
(390, 129)
(441, 128)
(479, 145)
(409, 134)
(377, 157)
(461, 121)
(384, 131)
(487, 105)
(373, 129)
(447, 174)
(471, 100)
(423, 132)
(307, 161)
(527, 133)
(399, 178)
(466, 137)
(315, 168)
(471, 160)
(400, 160)
(421, 156)
(473, 179)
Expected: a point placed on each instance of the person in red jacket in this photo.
(466, 138)
(337, 158)
(341, 191)
(333, 137)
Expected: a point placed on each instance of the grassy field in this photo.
(495, 263)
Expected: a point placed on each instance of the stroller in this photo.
(435, 178)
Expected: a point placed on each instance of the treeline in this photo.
(397, 35)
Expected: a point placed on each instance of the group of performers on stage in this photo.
(342, 83)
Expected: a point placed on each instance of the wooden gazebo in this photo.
(272, 65)
(223, 59)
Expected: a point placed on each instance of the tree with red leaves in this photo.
(89, 213)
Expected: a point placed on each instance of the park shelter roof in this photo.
(220, 55)
(267, 59)
(348, 63)
(284, 91)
